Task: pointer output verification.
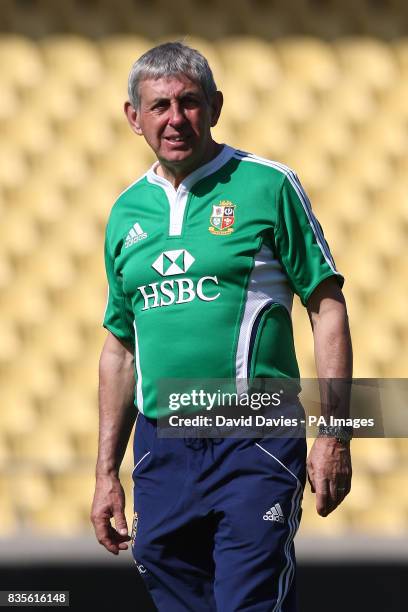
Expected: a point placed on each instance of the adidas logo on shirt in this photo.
(274, 514)
(135, 234)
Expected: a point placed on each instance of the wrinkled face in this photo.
(175, 119)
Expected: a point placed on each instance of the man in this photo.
(203, 254)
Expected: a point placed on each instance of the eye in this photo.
(161, 105)
(190, 102)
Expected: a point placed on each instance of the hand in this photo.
(108, 502)
(329, 473)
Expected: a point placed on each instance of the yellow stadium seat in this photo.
(10, 342)
(24, 302)
(9, 524)
(13, 166)
(387, 134)
(88, 132)
(401, 447)
(77, 487)
(29, 489)
(19, 415)
(369, 60)
(83, 302)
(96, 198)
(394, 104)
(38, 372)
(62, 166)
(251, 62)
(125, 164)
(20, 61)
(374, 455)
(395, 485)
(73, 410)
(50, 265)
(398, 366)
(9, 101)
(362, 267)
(312, 166)
(378, 342)
(48, 447)
(351, 99)
(106, 100)
(56, 99)
(310, 61)
(391, 521)
(400, 48)
(329, 135)
(41, 201)
(292, 101)
(4, 459)
(391, 303)
(86, 446)
(392, 199)
(119, 52)
(128, 459)
(60, 339)
(59, 517)
(363, 491)
(342, 202)
(271, 140)
(77, 233)
(30, 132)
(387, 232)
(6, 269)
(241, 103)
(18, 235)
(369, 166)
(74, 58)
(92, 266)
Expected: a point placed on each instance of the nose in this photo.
(176, 115)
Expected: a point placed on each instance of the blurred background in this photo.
(320, 85)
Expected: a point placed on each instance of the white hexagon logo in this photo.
(171, 263)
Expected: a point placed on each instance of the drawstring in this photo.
(201, 443)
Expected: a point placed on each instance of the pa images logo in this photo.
(222, 218)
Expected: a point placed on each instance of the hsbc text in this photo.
(178, 291)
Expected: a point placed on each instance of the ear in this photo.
(216, 106)
(132, 116)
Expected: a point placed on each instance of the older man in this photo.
(203, 254)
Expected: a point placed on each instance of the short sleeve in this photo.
(118, 317)
(300, 242)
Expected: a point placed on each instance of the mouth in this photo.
(176, 139)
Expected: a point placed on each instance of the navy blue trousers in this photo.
(215, 520)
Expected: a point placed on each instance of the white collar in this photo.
(209, 168)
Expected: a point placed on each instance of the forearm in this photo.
(334, 357)
(116, 407)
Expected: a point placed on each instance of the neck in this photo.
(176, 174)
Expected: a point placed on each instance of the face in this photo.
(175, 119)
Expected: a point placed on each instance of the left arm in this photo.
(329, 461)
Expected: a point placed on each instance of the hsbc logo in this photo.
(171, 263)
(178, 290)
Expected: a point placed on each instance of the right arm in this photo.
(117, 415)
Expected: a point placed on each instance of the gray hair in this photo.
(170, 59)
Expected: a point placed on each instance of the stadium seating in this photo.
(335, 111)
